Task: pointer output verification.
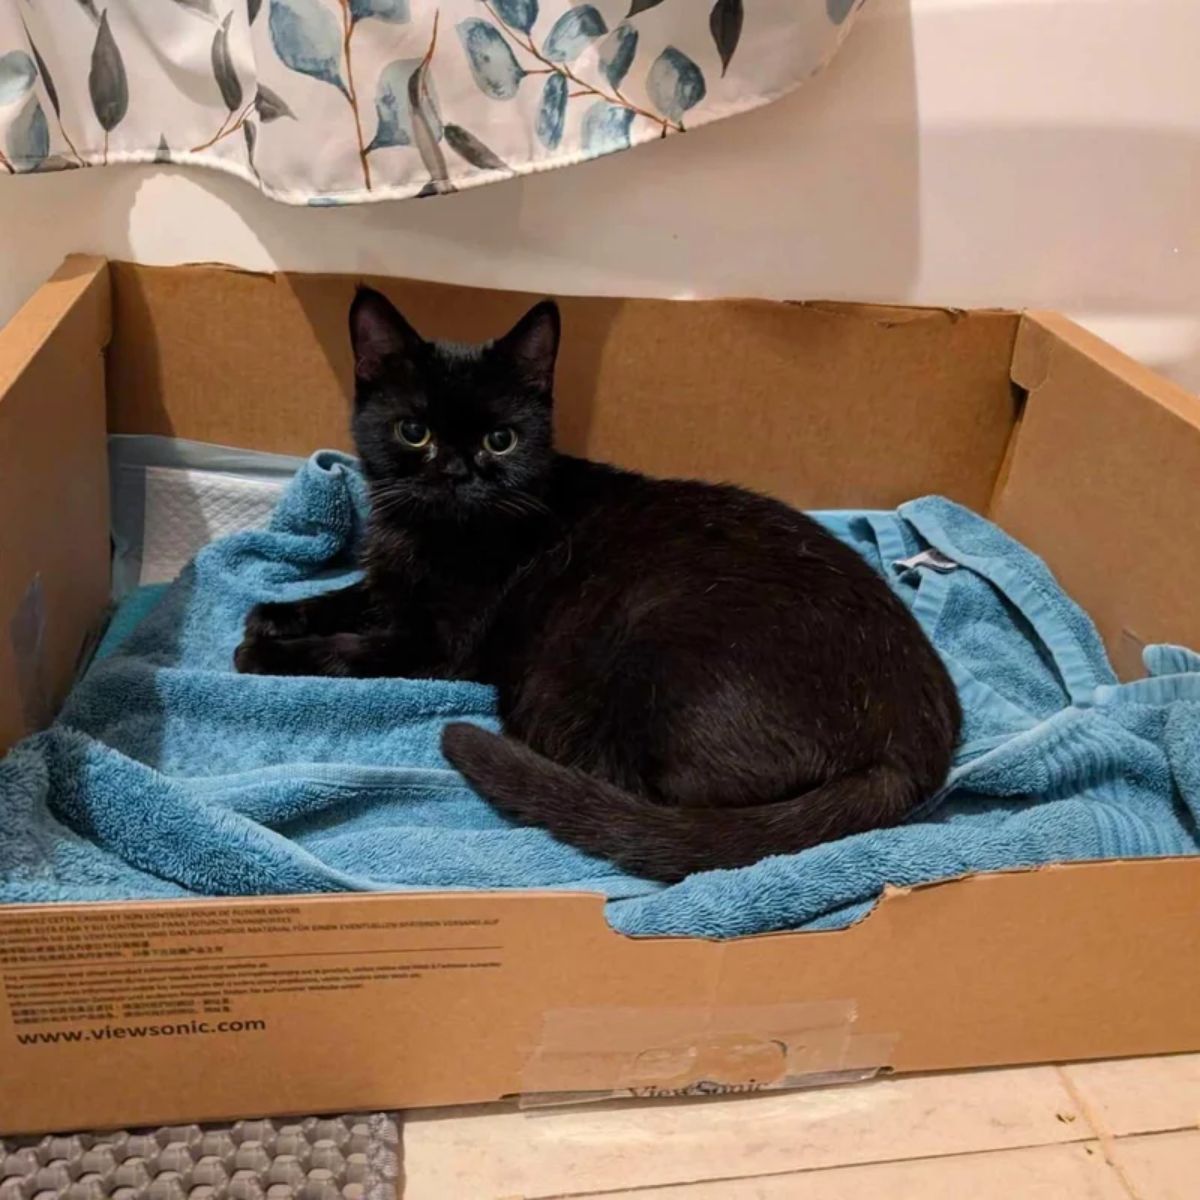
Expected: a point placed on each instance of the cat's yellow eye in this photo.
(413, 434)
(500, 441)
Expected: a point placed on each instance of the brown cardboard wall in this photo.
(323, 1003)
(1102, 483)
(830, 405)
(54, 548)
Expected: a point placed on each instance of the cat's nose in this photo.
(455, 468)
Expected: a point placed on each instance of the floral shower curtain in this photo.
(338, 101)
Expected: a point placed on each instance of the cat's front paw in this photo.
(259, 656)
(275, 620)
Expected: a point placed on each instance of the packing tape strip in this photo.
(587, 1055)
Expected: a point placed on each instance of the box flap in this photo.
(54, 548)
(1098, 482)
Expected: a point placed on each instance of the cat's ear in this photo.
(532, 344)
(378, 333)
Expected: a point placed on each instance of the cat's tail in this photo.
(662, 842)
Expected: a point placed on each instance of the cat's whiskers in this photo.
(521, 504)
(391, 500)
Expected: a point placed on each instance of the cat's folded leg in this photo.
(356, 655)
(327, 613)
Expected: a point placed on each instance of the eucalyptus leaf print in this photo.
(606, 128)
(307, 39)
(250, 137)
(222, 65)
(493, 64)
(467, 146)
(270, 106)
(617, 53)
(229, 86)
(725, 23)
(17, 74)
(552, 111)
(395, 11)
(420, 101)
(675, 84)
(393, 109)
(573, 32)
(520, 14)
(107, 83)
(204, 7)
(343, 101)
(44, 72)
(51, 94)
(28, 142)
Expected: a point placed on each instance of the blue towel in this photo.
(168, 775)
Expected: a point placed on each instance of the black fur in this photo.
(689, 675)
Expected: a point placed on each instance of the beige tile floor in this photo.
(1100, 1131)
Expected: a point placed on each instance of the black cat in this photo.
(689, 675)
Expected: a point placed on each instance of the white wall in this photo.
(966, 152)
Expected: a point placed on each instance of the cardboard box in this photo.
(332, 1003)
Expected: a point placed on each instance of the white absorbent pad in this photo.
(171, 497)
(186, 509)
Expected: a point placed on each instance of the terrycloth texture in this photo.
(168, 774)
(129, 614)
